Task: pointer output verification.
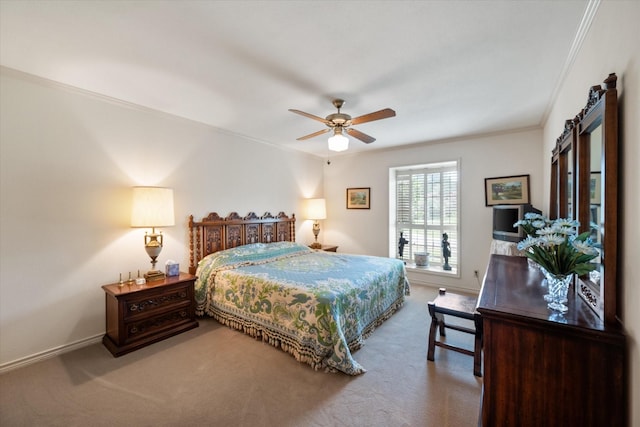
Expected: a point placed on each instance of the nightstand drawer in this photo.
(145, 327)
(157, 300)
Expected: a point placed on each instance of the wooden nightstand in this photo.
(139, 315)
(329, 248)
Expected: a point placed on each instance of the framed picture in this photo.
(594, 188)
(506, 190)
(358, 198)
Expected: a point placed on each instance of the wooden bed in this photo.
(318, 306)
(214, 233)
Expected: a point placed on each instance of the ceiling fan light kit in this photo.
(340, 121)
(338, 142)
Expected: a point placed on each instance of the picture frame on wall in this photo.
(359, 198)
(506, 190)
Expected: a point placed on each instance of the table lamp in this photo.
(152, 207)
(316, 210)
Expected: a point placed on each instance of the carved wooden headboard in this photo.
(215, 233)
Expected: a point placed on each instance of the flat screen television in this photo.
(504, 216)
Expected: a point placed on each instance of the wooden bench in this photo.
(462, 306)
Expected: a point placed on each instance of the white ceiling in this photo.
(448, 68)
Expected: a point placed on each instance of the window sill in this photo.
(432, 270)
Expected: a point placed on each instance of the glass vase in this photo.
(547, 297)
(558, 287)
(545, 283)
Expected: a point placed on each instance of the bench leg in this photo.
(441, 324)
(432, 331)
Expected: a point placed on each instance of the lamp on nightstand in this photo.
(316, 210)
(152, 207)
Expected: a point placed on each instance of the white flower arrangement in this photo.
(555, 245)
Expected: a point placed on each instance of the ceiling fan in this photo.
(339, 122)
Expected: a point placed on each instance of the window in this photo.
(426, 207)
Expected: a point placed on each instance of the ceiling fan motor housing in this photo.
(338, 119)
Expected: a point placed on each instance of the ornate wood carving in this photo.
(191, 248)
(215, 233)
(212, 238)
(212, 217)
(251, 216)
(253, 233)
(267, 233)
(161, 300)
(234, 236)
(232, 216)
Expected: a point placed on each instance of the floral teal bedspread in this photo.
(318, 306)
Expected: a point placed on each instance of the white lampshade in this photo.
(338, 142)
(316, 209)
(152, 207)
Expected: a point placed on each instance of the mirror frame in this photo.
(553, 194)
(567, 172)
(601, 110)
(560, 197)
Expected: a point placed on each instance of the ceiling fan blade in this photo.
(320, 132)
(311, 116)
(361, 136)
(377, 115)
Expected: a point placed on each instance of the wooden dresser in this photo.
(139, 315)
(541, 369)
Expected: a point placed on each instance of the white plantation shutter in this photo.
(403, 191)
(426, 207)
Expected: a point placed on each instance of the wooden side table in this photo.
(139, 315)
(328, 248)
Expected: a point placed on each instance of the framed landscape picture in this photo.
(506, 190)
(358, 198)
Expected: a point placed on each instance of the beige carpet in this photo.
(215, 376)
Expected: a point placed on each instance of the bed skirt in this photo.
(293, 346)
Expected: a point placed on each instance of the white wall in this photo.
(366, 231)
(68, 160)
(612, 45)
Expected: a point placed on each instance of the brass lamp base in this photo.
(153, 246)
(316, 231)
(152, 275)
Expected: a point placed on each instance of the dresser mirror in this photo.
(562, 174)
(554, 197)
(567, 187)
(586, 161)
(595, 187)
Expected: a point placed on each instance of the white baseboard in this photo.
(424, 280)
(48, 354)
